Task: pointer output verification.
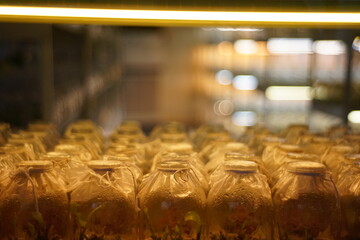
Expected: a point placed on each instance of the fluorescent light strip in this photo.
(288, 93)
(354, 116)
(119, 14)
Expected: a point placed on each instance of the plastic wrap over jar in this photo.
(45, 127)
(86, 127)
(268, 145)
(337, 132)
(294, 131)
(19, 151)
(180, 148)
(28, 138)
(290, 158)
(274, 157)
(207, 133)
(306, 203)
(34, 205)
(239, 204)
(45, 137)
(7, 165)
(167, 140)
(334, 157)
(4, 132)
(103, 203)
(69, 167)
(216, 157)
(135, 151)
(211, 147)
(188, 159)
(349, 190)
(92, 146)
(173, 204)
(351, 162)
(132, 131)
(167, 127)
(319, 145)
(129, 163)
(211, 140)
(260, 141)
(353, 140)
(233, 157)
(74, 149)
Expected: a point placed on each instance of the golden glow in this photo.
(121, 16)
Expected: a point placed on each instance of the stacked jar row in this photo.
(178, 185)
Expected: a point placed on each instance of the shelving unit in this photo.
(62, 72)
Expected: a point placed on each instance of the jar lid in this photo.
(55, 156)
(306, 168)
(181, 147)
(36, 165)
(239, 156)
(13, 147)
(353, 157)
(302, 157)
(173, 165)
(273, 139)
(241, 166)
(321, 140)
(103, 165)
(291, 148)
(70, 148)
(117, 157)
(342, 149)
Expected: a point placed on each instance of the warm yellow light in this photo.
(209, 17)
(288, 93)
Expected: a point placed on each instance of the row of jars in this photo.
(285, 194)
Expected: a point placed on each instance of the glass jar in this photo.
(103, 204)
(134, 151)
(268, 145)
(350, 163)
(69, 167)
(261, 141)
(92, 146)
(349, 190)
(306, 203)
(74, 149)
(290, 158)
(4, 132)
(28, 138)
(239, 204)
(86, 128)
(319, 145)
(188, 159)
(130, 130)
(234, 156)
(294, 131)
(172, 203)
(274, 157)
(337, 132)
(217, 156)
(334, 157)
(7, 165)
(19, 151)
(129, 163)
(35, 204)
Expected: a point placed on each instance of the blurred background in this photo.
(238, 76)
